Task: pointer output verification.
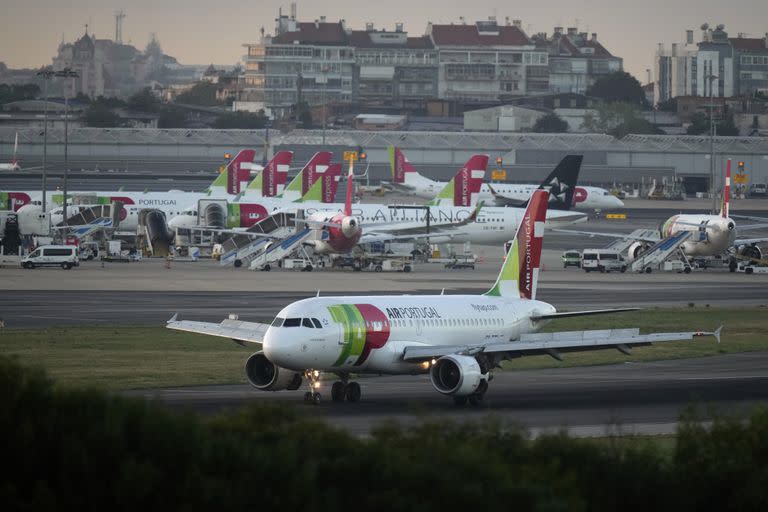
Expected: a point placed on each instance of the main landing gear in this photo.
(475, 399)
(343, 389)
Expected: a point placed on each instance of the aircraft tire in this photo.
(407, 268)
(353, 392)
(267, 268)
(460, 401)
(687, 269)
(378, 268)
(238, 263)
(316, 398)
(648, 270)
(338, 391)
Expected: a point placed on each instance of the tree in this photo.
(619, 86)
(240, 120)
(550, 123)
(303, 114)
(9, 93)
(700, 124)
(99, 115)
(171, 117)
(618, 119)
(203, 93)
(143, 101)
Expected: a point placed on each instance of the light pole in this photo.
(46, 74)
(325, 89)
(66, 73)
(712, 128)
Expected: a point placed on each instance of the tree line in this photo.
(83, 449)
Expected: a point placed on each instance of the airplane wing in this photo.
(500, 199)
(753, 226)
(211, 229)
(553, 344)
(232, 328)
(749, 217)
(413, 230)
(643, 235)
(749, 241)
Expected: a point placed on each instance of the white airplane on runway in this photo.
(696, 234)
(457, 339)
(408, 180)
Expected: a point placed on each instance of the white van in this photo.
(602, 260)
(65, 256)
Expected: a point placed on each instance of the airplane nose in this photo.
(618, 203)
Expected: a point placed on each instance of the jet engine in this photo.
(636, 249)
(350, 227)
(457, 375)
(750, 251)
(266, 376)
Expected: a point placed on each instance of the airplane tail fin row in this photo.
(519, 274)
(399, 164)
(464, 188)
(725, 205)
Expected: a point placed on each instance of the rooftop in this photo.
(319, 33)
(478, 35)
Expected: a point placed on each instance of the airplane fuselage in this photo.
(369, 334)
(711, 234)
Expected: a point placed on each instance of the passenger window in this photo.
(292, 322)
(306, 322)
(278, 322)
(317, 323)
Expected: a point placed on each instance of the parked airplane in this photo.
(407, 180)
(457, 339)
(695, 234)
(438, 223)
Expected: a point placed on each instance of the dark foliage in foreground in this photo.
(85, 450)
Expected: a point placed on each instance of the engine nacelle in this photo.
(750, 251)
(350, 227)
(457, 375)
(636, 249)
(263, 374)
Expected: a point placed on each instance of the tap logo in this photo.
(364, 327)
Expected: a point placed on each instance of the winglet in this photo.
(174, 318)
(716, 334)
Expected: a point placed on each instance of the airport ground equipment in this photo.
(656, 255)
(275, 250)
(153, 230)
(241, 249)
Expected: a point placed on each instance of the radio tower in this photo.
(119, 15)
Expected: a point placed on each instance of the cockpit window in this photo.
(292, 322)
(317, 323)
(306, 322)
(278, 322)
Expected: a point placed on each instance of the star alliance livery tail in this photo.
(464, 188)
(519, 274)
(561, 184)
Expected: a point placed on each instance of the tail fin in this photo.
(463, 188)
(324, 188)
(399, 164)
(302, 182)
(236, 173)
(350, 190)
(561, 182)
(519, 274)
(316, 166)
(275, 174)
(725, 206)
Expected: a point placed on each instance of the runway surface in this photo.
(147, 293)
(643, 398)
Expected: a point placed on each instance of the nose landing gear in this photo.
(313, 380)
